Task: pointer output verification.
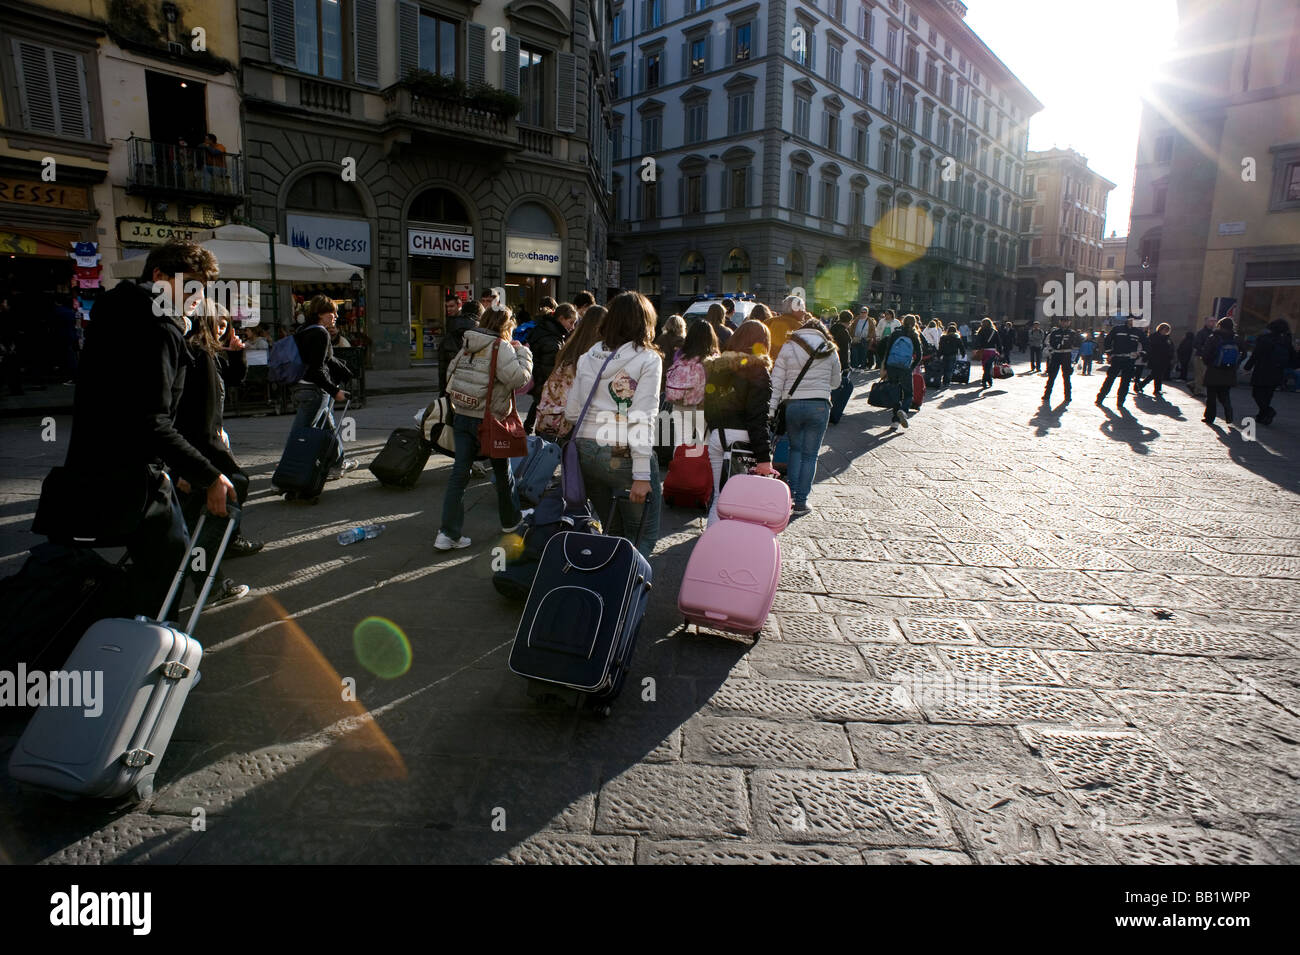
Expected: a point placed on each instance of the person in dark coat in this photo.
(129, 388)
(322, 383)
(1274, 354)
(738, 390)
(1007, 340)
(1160, 360)
(546, 340)
(1220, 357)
(1185, 349)
(460, 319)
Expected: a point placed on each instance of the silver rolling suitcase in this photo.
(132, 678)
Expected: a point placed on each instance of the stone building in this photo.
(865, 151)
(1215, 223)
(441, 146)
(1063, 216)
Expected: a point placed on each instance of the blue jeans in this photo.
(604, 473)
(465, 429)
(310, 402)
(805, 425)
(949, 365)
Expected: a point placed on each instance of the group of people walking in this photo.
(151, 387)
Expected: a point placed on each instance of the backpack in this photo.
(521, 333)
(284, 365)
(900, 353)
(685, 382)
(1228, 355)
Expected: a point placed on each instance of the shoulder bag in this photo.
(778, 425)
(500, 437)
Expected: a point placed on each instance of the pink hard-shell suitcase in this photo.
(731, 577)
(756, 499)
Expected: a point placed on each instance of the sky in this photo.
(1088, 65)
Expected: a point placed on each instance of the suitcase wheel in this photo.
(604, 709)
(144, 789)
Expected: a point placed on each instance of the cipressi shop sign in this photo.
(455, 245)
(532, 256)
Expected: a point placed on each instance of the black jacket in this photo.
(1063, 341)
(951, 345)
(1007, 340)
(1216, 376)
(842, 341)
(545, 341)
(199, 417)
(1186, 347)
(1274, 353)
(737, 391)
(129, 387)
(453, 337)
(1160, 354)
(323, 369)
(986, 338)
(1124, 342)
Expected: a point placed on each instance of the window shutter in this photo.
(70, 87)
(794, 200)
(640, 75)
(566, 92)
(728, 45)
(749, 186)
(510, 66)
(365, 40)
(476, 55)
(686, 61)
(708, 55)
(756, 47)
(35, 87)
(408, 38)
(284, 49)
(681, 194)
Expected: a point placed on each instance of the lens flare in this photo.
(382, 647)
(901, 236)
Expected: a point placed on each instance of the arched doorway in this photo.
(534, 258)
(441, 248)
(690, 275)
(648, 277)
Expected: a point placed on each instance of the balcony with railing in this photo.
(939, 253)
(164, 169)
(536, 141)
(324, 97)
(449, 117)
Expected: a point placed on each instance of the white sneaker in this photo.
(446, 543)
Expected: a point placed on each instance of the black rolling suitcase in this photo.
(583, 616)
(961, 371)
(934, 373)
(402, 460)
(307, 459)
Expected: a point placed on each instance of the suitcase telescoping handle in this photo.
(645, 509)
(213, 564)
(324, 415)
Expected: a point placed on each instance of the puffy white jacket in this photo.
(625, 409)
(467, 375)
(823, 375)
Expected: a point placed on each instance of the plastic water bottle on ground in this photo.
(360, 533)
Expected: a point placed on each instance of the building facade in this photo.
(1215, 223)
(863, 151)
(1113, 251)
(1062, 221)
(105, 113)
(440, 146)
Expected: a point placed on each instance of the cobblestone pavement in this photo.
(1007, 634)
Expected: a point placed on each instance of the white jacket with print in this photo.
(625, 409)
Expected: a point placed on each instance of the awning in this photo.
(242, 252)
(44, 244)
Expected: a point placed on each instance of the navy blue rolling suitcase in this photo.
(840, 398)
(308, 456)
(584, 612)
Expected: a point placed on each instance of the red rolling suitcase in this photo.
(690, 477)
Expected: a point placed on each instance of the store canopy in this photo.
(244, 253)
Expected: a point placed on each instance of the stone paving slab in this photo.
(1069, 648)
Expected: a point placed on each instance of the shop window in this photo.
(794, 271)
(690, 277)
(648, 276)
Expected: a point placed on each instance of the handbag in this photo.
(737, 458)
(572, 485)
(778, 422)
(72, 507)
(885, 394)
(501, 437)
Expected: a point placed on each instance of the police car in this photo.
(700, 307)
